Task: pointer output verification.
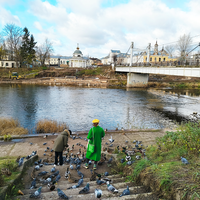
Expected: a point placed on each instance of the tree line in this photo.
(19, 45)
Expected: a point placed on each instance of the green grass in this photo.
(11, 164)
(164, 161)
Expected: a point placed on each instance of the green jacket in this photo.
(61, 141)
(98, 135)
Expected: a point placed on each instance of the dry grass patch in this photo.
(50, 126)
(11, 126)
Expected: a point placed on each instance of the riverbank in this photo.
(163, 172)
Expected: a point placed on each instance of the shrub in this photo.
(50, 126)
(11, 127)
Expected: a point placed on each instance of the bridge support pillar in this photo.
(137, 80)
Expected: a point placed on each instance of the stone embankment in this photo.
(68, 81)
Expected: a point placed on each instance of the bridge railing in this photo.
(167, 64)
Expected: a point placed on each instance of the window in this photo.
(155, 59)
(150, 59)
(6, 64)
(159, 59)
(163, 59)
(63, 62)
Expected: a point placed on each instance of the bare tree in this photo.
(44, 51)
(184, 44)
(170, 49)
(12, 34)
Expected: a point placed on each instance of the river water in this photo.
(115, 108)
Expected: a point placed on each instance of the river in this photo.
(115, 108)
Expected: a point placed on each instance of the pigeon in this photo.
(110, 145)
(137, 157)
(39, 161)
(184, 161)
(44, 143)
(111, 188)
(55, 174)
(90, 162)
(80, 173)
(42, 173)
(41, 165)
(80, 181)
(98, 193)
(85, 190)
(71, 167)
(106, 174)
(47, 148)
(110, 160)
(130, 162)
(53, 169)
(21, 160)
(128, 158)
(37, 167)
(100, 182)
(27, 157)
(61, 194)
(33, 183)
(122, 160)
(78, 166)
(58, 178)
(125, 192)
(51, 186)
(78, 184)
(36, 194)
(44, 154)
(31, 143)
(111, 140)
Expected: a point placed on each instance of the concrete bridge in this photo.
(138, 76)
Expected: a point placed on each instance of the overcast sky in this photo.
(101, 25)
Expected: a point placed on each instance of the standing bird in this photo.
(61, 194)
(85, 190)
(21, 160)
(111, 140)
(98, 193)
(184, 161)
(53, 169)
(111, 188)
(125, 192)
(80, 173)
(100, 182)
(36, 194)
(58, 178)
(33, 183)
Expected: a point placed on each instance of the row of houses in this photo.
(115, 56)
(76, 60)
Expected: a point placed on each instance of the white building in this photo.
(8, 64)
(111, 58)
(77, 60)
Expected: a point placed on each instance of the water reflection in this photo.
(131, 108)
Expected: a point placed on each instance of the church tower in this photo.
(156, 48)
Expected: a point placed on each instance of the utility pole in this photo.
(148, 52)
(131, 58)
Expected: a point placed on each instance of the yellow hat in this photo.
(95, 121)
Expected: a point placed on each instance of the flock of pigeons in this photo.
(74, 163)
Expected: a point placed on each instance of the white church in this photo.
(77, 60)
